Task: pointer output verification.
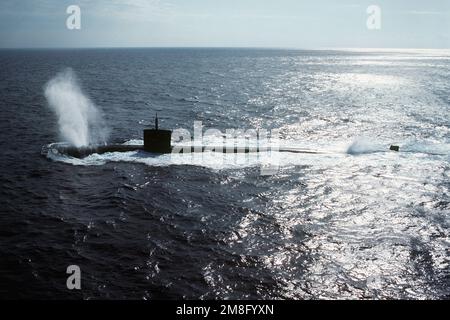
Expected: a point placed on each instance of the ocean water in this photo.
(354, 221)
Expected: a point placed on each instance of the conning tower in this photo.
(156, 140)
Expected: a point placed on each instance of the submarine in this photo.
(158, 141)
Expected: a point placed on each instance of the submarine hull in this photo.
(83, 152)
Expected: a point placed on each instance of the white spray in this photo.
(363, 145)
(80, 122)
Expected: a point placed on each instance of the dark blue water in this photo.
(356, 222)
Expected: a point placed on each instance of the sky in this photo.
(225, 23)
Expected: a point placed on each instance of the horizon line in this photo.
(223, 47)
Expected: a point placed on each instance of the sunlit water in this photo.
(354, 221)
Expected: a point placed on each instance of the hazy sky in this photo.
(225, 23)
